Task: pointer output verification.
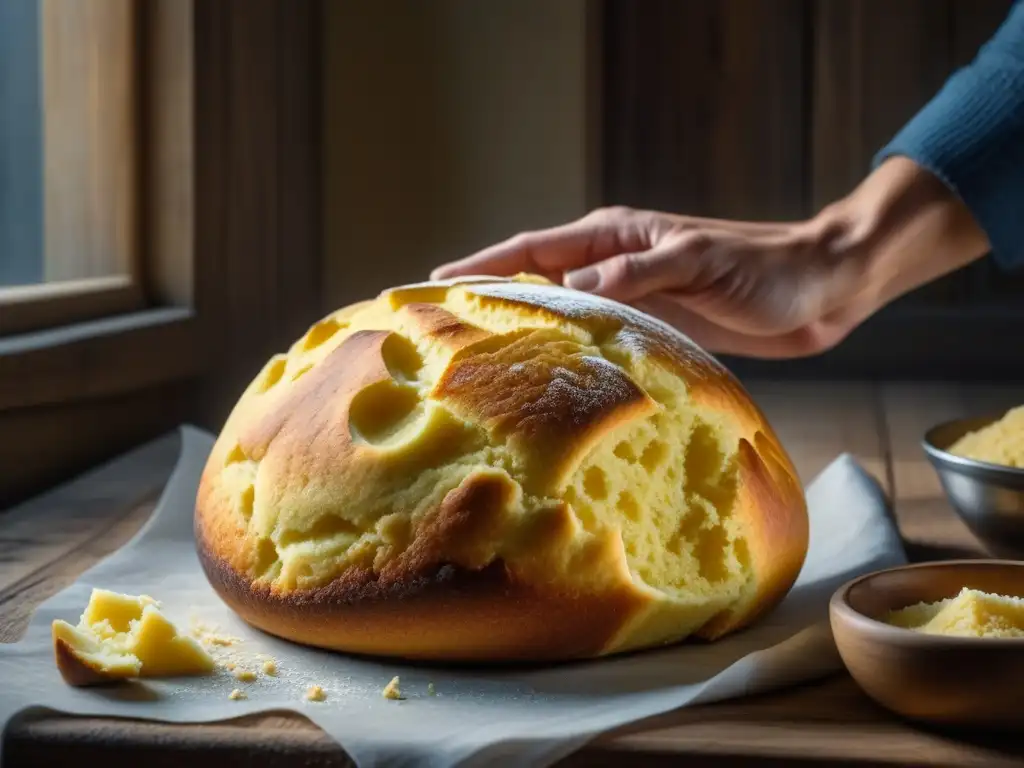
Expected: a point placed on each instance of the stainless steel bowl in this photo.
(989, 498)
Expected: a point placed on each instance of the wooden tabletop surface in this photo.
(47, 542)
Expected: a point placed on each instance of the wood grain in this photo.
(831, 722)
(704, 107)
(100, 358)
(257, 206)
(48, 444)
(90, 161)
(167, 115)
(47, 305)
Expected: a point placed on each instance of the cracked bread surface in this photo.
(497, 469)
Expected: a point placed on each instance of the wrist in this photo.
(902, 227)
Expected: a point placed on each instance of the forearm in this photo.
(971, 137)
(899, 229)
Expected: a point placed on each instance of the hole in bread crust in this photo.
(742, 551)
(707, 474)
(628, 505)
(272, 373)
(320, 333)
(235, 455)
(595, 484)
(327, 527)
(625, 452)
(302, 371)
(380, 410)
(712, 550)
(653, 455)
(422, 294)
(401, 357)
(266, 556)
(245, 502)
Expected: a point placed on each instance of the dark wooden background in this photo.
(768, 109)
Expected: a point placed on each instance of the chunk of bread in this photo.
(124, 636)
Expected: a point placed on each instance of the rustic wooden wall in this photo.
(769, 109)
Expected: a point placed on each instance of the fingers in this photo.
(596, 236)
(669, 264)
(720, 340)
(541, 252)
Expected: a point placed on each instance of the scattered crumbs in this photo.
(229, 666)
(270, 667)
(237, 695)
(209, 634)
(391, 690)
(431, 691)
(245, 675)
(315, 693)
(221, 640)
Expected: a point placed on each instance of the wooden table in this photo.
(46, 543)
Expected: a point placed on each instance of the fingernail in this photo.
(585, 279)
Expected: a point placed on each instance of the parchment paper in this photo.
(476, 718)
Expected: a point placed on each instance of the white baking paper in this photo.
(475, 718)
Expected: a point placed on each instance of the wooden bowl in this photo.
(959, 682)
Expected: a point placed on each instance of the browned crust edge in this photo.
(451, 615)
(77, 671)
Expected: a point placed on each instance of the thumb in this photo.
(629, 276)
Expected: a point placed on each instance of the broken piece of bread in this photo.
(124, 636)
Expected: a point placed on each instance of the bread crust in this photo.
(445, 591)
(77, 670)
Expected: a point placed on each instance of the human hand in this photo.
(768, 290)
(760, 290)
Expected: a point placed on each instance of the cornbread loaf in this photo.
(124, 636)
(497, 469)
(1001, 442)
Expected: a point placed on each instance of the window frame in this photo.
(231, 221)
(106, 335)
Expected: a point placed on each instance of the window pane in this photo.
(67, 140)
(21, 145)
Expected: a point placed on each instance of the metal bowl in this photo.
(989, 498)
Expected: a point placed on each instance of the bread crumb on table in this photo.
(315, 693)
(245, 675)
(237, 695)
(391, 690)
(431, 691)
(270, 667)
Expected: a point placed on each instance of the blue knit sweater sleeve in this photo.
(971, 136)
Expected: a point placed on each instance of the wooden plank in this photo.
(168, 160)
(704, 107)
(90, 169)
(44, 446)
(875, 63)
(44, 530)
(98, 358)
(46, 305)
(257, 255)
(19, 600)
(930, 528)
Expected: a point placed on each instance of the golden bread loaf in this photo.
(497, 469)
